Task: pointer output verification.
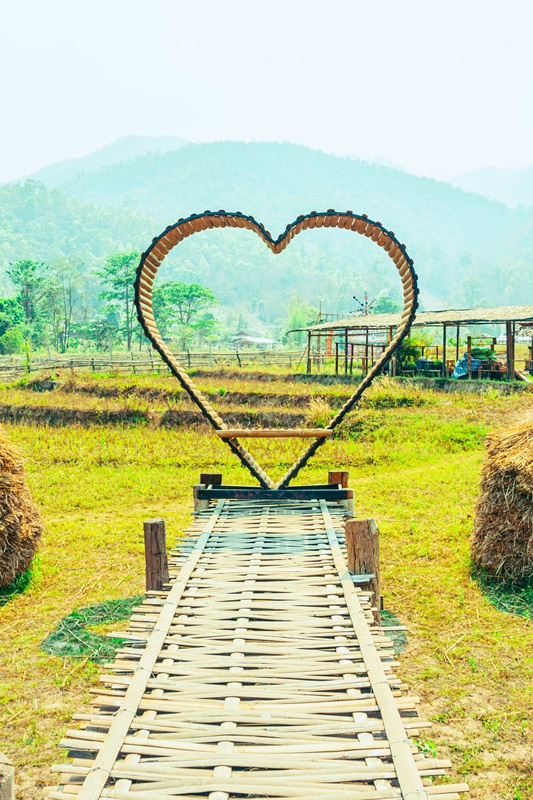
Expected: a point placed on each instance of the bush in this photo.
(12, 341)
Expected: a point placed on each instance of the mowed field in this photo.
(104, 453)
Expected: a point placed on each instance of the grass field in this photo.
(414, 457)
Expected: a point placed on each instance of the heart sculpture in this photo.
(151, 261)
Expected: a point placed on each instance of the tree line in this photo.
(54, 307)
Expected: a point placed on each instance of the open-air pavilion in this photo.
(363, 338)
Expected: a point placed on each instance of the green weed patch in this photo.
(71, 637)
(508, 597)
(21, 583)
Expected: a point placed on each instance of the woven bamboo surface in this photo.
(259, 673)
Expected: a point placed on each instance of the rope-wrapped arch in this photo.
(152, 259)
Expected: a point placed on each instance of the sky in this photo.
(437, 88)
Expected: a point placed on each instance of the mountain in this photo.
(514, 187)
(122, 149)
(42, 225)
(469, 250)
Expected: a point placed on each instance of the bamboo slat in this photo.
(261, 673)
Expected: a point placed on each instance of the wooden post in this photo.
(444, 351)
(308, 352)
(509, 348)
(337, 477)
(513, 375)
(469, 355)
(336, 358)
(362, 548)
(366, 353)
(457, 344)
(199, 505)
(346, 351)
(155, 554)
(211, 478)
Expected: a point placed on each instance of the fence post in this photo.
(362, 549)
(155, 554)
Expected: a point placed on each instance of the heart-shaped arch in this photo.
(153, 257)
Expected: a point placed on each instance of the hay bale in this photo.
(20, 523)
(503, 529)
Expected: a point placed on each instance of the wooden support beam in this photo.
(444, 371)
(7, 779)
(274, 433)
(308, 352)
(155, 554)
(362, 549)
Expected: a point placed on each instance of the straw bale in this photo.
(503, 530)
(20, 523)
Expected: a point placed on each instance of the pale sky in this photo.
(438, 88)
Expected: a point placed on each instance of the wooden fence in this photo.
(141, 363)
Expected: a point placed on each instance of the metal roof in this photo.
(462, 316)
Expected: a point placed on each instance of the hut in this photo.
(20, 523)
(503, 531)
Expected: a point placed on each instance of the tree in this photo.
(64, 297)
(12, 328)
(300, 315)
(385, 305)
(187, 306)
(31, 280)
(118, 274)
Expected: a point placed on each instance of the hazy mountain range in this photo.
(514, 187)
(468, 249)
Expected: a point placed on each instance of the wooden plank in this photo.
(274, 433)
(272, 495)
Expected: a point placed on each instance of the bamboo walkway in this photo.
(259, 674)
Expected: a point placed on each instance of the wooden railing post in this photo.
(211, 478)
(340, 477)
(362, 549)
(155, 553)
(7, 779)
(199, 505)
